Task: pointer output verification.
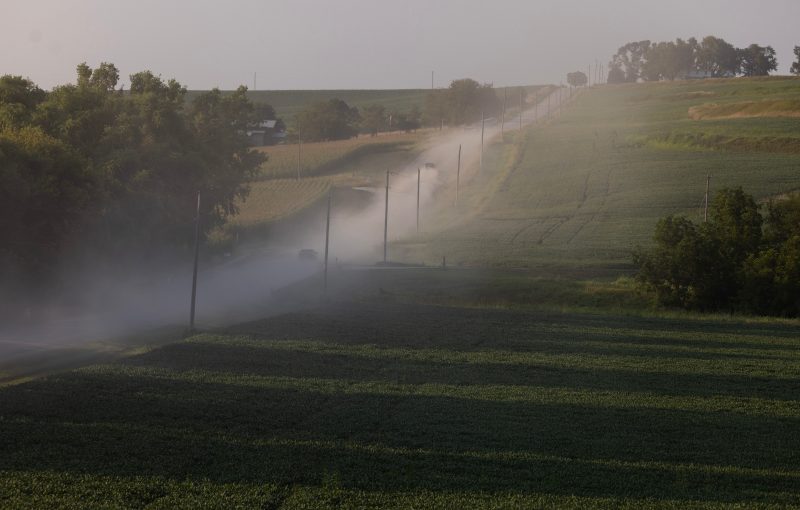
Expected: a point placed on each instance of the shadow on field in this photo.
(287, 416)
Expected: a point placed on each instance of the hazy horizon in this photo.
(357, 44)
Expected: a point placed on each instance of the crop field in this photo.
(380, 403)
(325, 158)
(587, 187)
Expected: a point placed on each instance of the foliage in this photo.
(373, 119)
(732, 263)
(757, 60)
(463, 102)
(328, 120)
(140, 157)
(577, 79)
(795, 69)
(629, 59)
(712, 57)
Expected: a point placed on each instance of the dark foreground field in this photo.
(380, 402)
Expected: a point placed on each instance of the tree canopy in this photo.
(328, 120)
(463, 102)
(711, 57)
(738, 261)
(87, 168)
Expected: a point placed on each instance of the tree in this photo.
(757, 60)
(615, 74)
(795, 69)
(718, 57)
(329, 120)
(703, 267)
(19, 98)
(45, 190)
(577, 79)
(463, 102)
(373, 119)
(630, 58)
(115, 174)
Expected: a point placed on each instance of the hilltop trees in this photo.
(712, 57)
(373, 119)
(86, 168)
(328, 120)
(795, 69)
(757, 60)
(737, 261)
(629, 59)
(463, 102)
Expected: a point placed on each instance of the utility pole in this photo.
(327, 239)
(419, 180)
(196, 259)
(458, 173)
(431, 80)
(548, 104)
(254, 82)
(299, 155)
(705, 211)
(386, 219)
(503, 118)
(480, 167)
(520, 107)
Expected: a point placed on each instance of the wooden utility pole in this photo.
(327, 240)
(419, 180)
(520, 107)
(705, 209)
(458, 173)
(431, 80)
(196, 260)
(386, 219)
(503, 118)
(299, 155)
(483, 120)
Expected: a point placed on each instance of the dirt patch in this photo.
(746, 109)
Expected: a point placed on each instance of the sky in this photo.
(364, 44)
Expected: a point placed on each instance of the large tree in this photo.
(718, 57)
(328, 120)
(757, 60)
(117, 174)
(630, 58)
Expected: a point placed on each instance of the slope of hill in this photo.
(590, 185)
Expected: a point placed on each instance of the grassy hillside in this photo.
(589, 186)
(389, 404)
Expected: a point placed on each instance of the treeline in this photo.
(88, 169)
(463, 102)
(336, 120)
(738, 261)
(712, 57)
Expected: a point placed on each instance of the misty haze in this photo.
(367, 254)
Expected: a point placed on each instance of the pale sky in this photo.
(363, 44)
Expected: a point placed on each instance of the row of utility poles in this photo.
(330, 199)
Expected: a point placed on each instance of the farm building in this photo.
(266, 132)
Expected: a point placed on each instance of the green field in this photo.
(533, 377)
(590, 185)
(384, 403)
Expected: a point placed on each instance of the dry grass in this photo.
(746, 109)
